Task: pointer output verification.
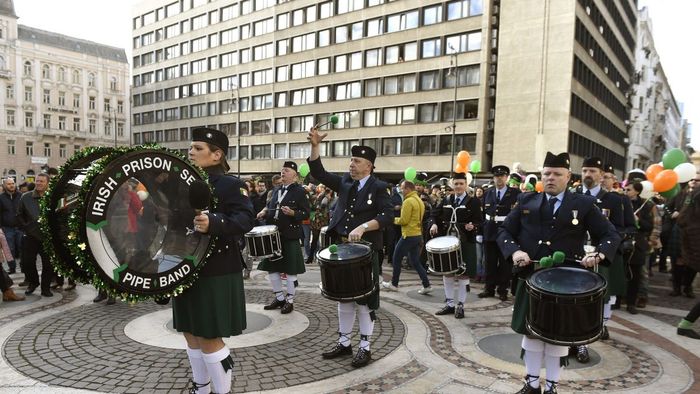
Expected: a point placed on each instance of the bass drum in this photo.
(135, 229)
(60, 209)
(566, 305)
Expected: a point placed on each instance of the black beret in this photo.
(500, 170)
(560, 160)
(421, 176)
(636, 176)
(290, 164)
(459, 175)
(608, 168)
(515, 177)
(213, 137)
(364, 152)
(593, 162)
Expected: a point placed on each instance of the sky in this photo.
(109, 22)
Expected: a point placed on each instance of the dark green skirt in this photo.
(214, 307)
(291, 262)
(469, 258)
(373, 300)
(521, 305)
(615, 276)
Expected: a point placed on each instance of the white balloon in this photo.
(470, 178)
(647, 190)
(685, 172)
(143, 195)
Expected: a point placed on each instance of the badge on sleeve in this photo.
(574, 213)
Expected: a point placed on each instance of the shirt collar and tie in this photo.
(361, 182)
(554, 202)
(591, 192)
(459, 199)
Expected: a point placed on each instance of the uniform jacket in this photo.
(530, 228)
(229, 220)
(493, 208)
(371, 202)
(288, 226)
(28, 214)
(470, 213)
(411, 219)
(645, 224)
(613, 204)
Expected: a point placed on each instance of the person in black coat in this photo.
(498, 201)
(362, 210)
(214, 306)
(468, 220)
(286, 210)
(638, 258)
(539, 225)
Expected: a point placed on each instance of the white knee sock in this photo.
(533, 364)
(220, 368)
(366, 325)
(462, 290)
(291, 288)
(607, 309)
(449, 283)
(199, 371)
(346, 319)
(276, 283)
(552, 364)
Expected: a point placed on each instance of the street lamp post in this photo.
(235, 100)
(454, 72)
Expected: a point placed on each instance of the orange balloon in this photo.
(459, 168)
(653, 170)
(665, 181)
(463, 158)
(539, 186)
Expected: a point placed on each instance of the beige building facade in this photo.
(58, 94)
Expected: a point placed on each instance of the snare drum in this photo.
(347, 274)
(444, 255)
(566, 305)
(324, 240)
(263, 242)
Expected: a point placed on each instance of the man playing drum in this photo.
(539, 225)
(469, 218)
(498, 201)
(286, 209)
(362, 210)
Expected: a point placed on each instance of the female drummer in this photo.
(214, 307)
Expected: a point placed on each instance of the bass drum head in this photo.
(347, 252)
(447, 243)
(60, 208)
(566, 281)
(136, 226)
(258, 231)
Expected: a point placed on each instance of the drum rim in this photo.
(530, 281)
(368, 254)
(324, 293)
(81, 247)
(445, 249)
(271, 231)
(558, 342)
(58, 250)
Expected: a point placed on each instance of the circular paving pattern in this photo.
(86, 348)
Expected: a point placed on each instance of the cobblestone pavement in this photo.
(68, 344)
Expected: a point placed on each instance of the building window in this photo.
(427, 113)
(371, 118)
(61, 122)
(430, 48)
(107, 105)
(76, 124)
(92, 126)
(46, 71)
(120, 129)
(113, 83)
(300, 150)
(280, 151)
(91, 80)
(300, 123)
(466, 109)
(46, 97)
(61, 74)
(346, 120)
(47, 121)
(342, 148)
(348, 91)
(91, 103)
(261, 126)
(375, 27)
(467, 76)
(462, 142)
(350, 5)
(62, 98)
(403, 21)
(463, 42)
(47, 149)
(402, 52)
(400, 84)
(280, 125)
(10, 115)
(426, 145)
(399, 115)
(261, 151)
(76, 100)
(432, 15)
(29, 148)
(108, 127)
(62, 151)
(463, 8)
(10, 92)
(28, 94)
(430, 80)
(28, 119)
(397, 146)
(373, 57)
(76, 77)
(10, 147)
(27, 68)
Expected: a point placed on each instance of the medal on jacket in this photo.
(574, 221)
(369, 199)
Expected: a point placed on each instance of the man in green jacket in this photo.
(411, 222)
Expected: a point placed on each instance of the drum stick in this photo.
(333, 119)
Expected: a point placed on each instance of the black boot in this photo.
(101, 296)
(274, 304)
(527, 389)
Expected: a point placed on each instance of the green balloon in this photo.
(475, 166)
(304, 170)
(673, 157)
(671, 193)
(410, 174)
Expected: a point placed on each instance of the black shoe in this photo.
(362, 358)
(111, 301)
(632, 309)
(101, 296)
(527, 389)
(196, 386)
(582, 354)
(503, 296)
(486, 294)
(553, 389)
(23, 283)
(459, 311)
(287, 308)
(46, 293)
(688, 332)
(30, 289)
(275, 304)
(337, 351)
(447, 310)
(605, 334)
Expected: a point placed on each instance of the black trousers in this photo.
(633, 282)
(31, 247)
(498, 269)
(694, 313)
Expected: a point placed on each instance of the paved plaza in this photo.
(67, 344)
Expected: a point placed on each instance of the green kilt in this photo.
(469, 258)
(213, 307)
(521, 306)
(615, 276)
(373, 300)
(291, 262)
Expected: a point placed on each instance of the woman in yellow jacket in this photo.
(411, 219)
